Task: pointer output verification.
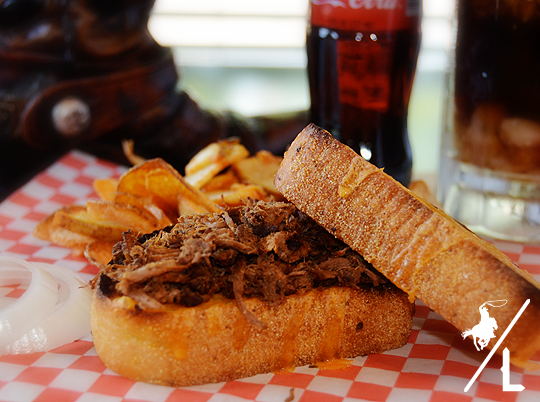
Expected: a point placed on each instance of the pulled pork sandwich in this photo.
(253, 289)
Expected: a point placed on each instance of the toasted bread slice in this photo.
(414, 244)
(213, 342)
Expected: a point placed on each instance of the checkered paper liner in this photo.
(435, 365)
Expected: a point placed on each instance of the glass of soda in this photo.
(489, 176)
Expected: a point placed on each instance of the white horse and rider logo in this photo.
(484, 331)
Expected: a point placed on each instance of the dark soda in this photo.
(497, 85)
(360, 78)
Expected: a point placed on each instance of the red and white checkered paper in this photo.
(435, 365)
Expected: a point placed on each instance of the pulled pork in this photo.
(266, 250)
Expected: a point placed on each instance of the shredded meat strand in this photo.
(267, 250)
(238, 289)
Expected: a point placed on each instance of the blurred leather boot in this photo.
(87, 74)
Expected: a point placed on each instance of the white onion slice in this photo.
(67, 321)
(28, 310)
(13, 276)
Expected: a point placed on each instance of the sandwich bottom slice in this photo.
(254, 289)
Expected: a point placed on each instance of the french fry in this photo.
(124, 215)
(105, 188)
(213, 159)
(259, 169)
(75, 219)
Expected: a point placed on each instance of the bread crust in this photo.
(414, 244)
(213, 342)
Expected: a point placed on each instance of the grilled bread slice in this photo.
(414, 244)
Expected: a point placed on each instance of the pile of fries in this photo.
(152, 195)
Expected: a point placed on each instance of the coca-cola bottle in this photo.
(362, 58)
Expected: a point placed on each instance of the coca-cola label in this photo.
(375, 15)
(364, 77)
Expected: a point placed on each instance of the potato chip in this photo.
(124, 215)
(222, 181)
(260, 169)
(194, 201)
(212, 160)
(237, 193)
(105, 188)
(156, 180)
(75, 219)
(48, 230)
(421, 189)
(128, 147)
(44, 227)
(152, 195)
(144, 204)
(187, 206)
(99, 253)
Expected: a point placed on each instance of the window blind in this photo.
(263, 33)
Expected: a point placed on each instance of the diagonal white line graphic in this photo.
(501, 339)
